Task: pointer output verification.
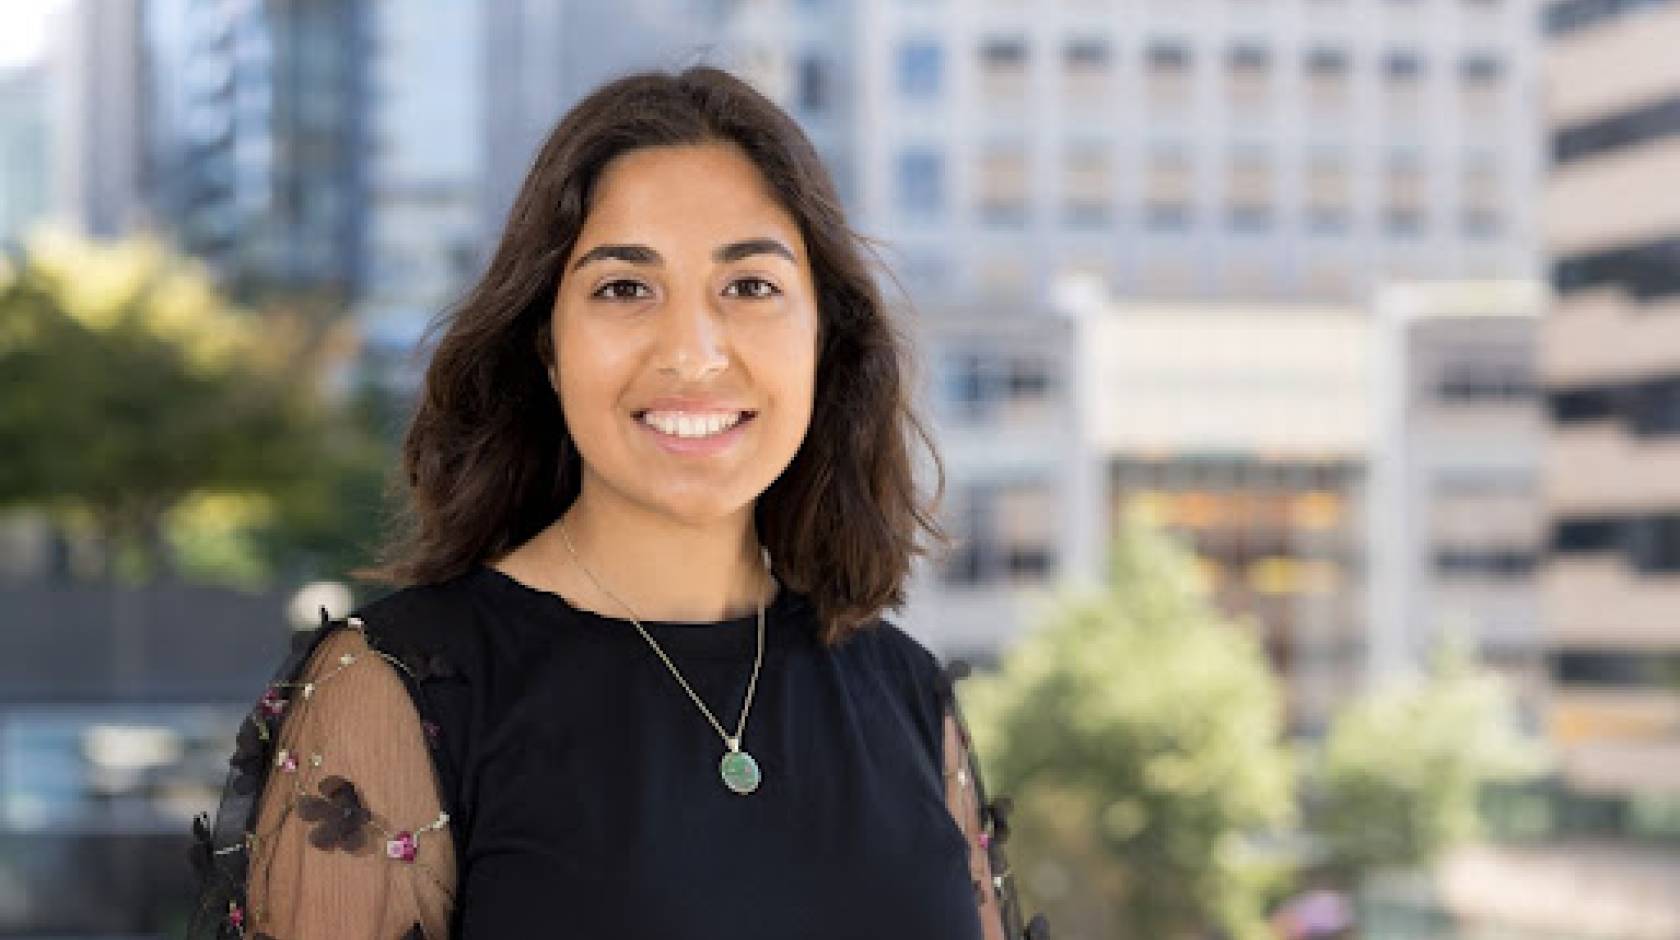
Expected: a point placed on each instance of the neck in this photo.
(663, 568)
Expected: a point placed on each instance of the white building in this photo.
(1457, 531)
(1295, 149)
(98, 110)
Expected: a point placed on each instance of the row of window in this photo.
(978, 384)
(1647, 271)
(1481, 383)
(1169, 182)
(1002, 532)
(1625, 129)
(1649, 408)
(1646, 668)
(1568, 16)
(1485, 563)
(921, 63)
(1651, 543)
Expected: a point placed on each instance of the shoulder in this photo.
(435, 626)
(905, 662)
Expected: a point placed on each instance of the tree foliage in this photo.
(1140, 737)
(131, 390)
(1403, 766)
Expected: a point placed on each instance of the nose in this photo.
(692, 342)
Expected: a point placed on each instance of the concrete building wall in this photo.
(1610, 359)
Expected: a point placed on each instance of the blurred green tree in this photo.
(1140, 737)
(1403, 767)
(138, 405)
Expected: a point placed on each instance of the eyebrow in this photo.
(642, 254)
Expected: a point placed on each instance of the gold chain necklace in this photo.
(739, 770)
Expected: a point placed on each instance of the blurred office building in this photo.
(1235, 150)
(1456, 527)
(99, 118)
(1239, 158)
(257, 131)
(24, 149)
(1610, 362)
(1022, 489)
(1245, 429)
(425, 172)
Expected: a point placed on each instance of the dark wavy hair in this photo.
(488, 461)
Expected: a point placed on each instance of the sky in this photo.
(23, 29)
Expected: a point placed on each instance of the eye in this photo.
(614, 287)
(770, 291)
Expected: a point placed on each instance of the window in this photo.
(981, 382)
(1586, 534)
(1087, 186)
(1485, 562)
(1654, 543)
(1248, 74)
(921, 63)
(1477, 382)
(1646, 271)
(1085, 55)
(1568, 16)
(1481, 199)
(1003, 533)
(1404, 212)
(1085, 69)
(1583, 403)
(1327, 194)
(1248, 195)
(1479, 79)
(1168, 73)
(1403, 83)
(1327, 77)
(921, 183)
(1616, 667)
(1003, 68)
(1003, 185)
(1648, 407)
(1167, 191)
(1623, 129)
(1653, 407)
(813, 84)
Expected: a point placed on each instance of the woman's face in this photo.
(687, 301)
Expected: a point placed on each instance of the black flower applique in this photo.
(250, 754)
(339, 815)
(999, 810)
(202, 852)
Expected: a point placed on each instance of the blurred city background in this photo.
(1307, 374)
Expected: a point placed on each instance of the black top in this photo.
(583, 782)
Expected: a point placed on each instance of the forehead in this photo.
(711, 193)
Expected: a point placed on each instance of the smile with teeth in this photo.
(693, 424)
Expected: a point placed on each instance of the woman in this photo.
(636, 683)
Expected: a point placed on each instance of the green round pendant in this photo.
(740, 772)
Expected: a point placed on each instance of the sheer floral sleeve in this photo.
(985, 823)
(347, 836)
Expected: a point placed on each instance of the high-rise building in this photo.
(1610, 362)
(98, 116)
(24, 150)
(424, 174)
(260, 139)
